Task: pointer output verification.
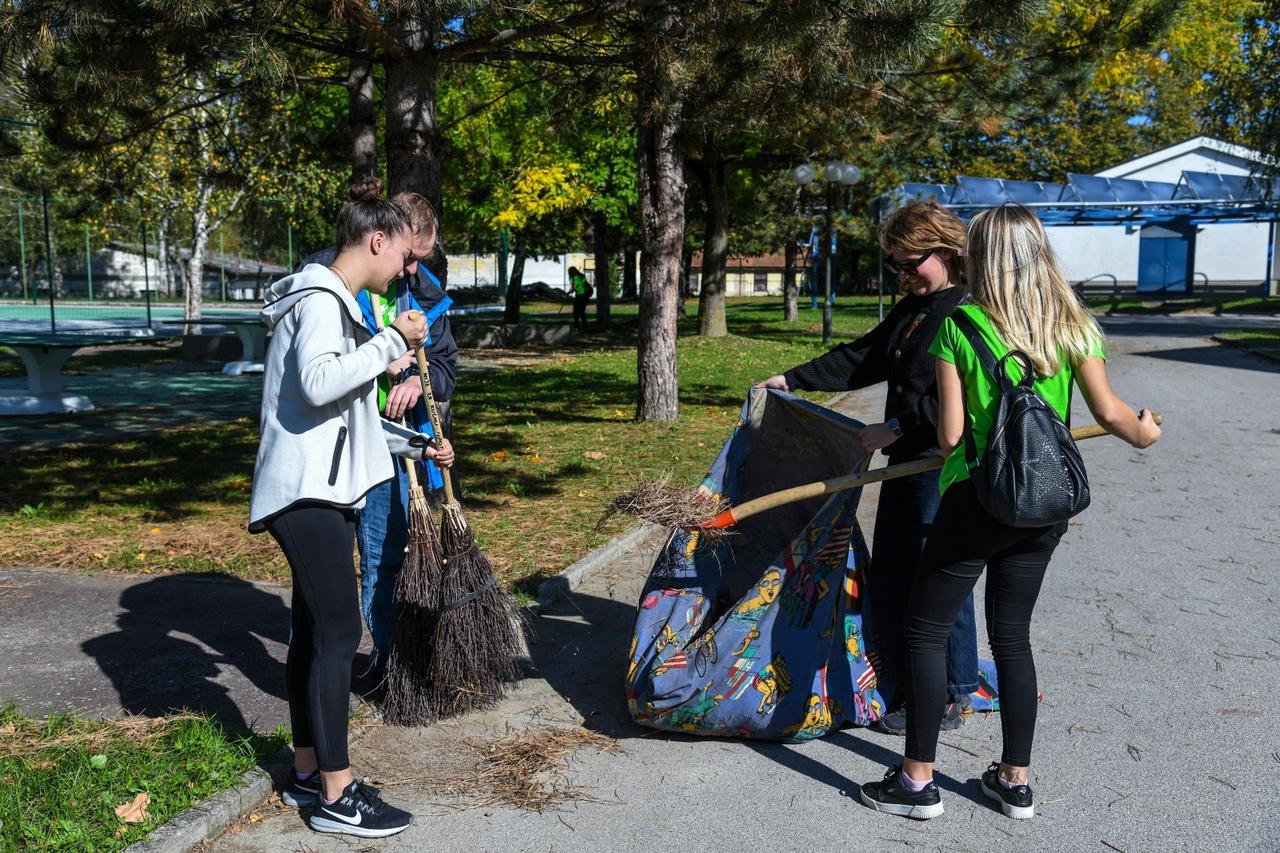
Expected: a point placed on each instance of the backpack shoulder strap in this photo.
(988, 359)
(980, 347)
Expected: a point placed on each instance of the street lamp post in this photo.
(834, 173)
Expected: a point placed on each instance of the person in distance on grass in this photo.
(581, 296)
(923, 244)
(1020, 301)
(323, 447)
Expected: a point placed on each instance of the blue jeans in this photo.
(903, 518)
(382, 531)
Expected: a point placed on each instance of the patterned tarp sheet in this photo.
(762, 634)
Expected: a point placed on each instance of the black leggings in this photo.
(963, 539)
(317, 541)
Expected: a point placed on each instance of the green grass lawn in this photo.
(62, 779)
(1263, 342)
(1198, 305)
(177, 500)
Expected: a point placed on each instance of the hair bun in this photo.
(367, 189)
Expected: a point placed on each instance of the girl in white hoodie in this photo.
(323, 447)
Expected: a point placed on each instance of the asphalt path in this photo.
(1156, 642)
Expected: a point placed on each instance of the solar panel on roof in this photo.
(1090, 188)
(1031, 192)
(984, 191)
(942, 192)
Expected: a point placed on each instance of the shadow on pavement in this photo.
(584, 664)
(176, 636)
(1213, 355)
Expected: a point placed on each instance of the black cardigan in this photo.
(898, 354)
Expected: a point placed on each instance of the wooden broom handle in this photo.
(425, 375)
(733, 515)
(410, 468)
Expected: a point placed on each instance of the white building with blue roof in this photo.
(1192, 218)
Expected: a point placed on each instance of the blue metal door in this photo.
(1162, 260)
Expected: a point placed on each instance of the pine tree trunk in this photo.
(790, 311)
(413, 133)
(715, 250)
(629, 274)
(661, 191)
(604, 276)
(512, 312)
(361, 123)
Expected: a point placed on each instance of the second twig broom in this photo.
(477, 638)
(407, 700)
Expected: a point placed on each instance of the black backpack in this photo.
(1031, 474)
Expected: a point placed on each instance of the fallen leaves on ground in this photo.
(134, 811)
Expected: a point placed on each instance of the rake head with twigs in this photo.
(661, 503)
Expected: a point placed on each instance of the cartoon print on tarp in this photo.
(761, 663)
(732, 639)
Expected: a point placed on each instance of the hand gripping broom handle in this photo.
(425, 375)
(733, 515)
(410, 468)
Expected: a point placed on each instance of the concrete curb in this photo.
(209, 818)
(554, 588)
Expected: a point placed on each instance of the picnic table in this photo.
(44, 355)
(252, 333)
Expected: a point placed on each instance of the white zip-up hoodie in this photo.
(323, 439)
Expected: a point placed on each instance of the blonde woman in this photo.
(1020, 300)
(923, 244)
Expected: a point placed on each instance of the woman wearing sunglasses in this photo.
(922, 242)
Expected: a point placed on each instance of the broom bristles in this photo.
(477, 642)
(669, 506)
(417, 602)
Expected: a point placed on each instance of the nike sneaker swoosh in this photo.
(353, 821)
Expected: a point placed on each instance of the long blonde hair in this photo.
(1013, 274)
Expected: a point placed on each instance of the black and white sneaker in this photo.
(1015, 802)
(360, 812)
(895, 722)
(302, 792)
(890, 795)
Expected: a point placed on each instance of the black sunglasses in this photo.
(909, 267)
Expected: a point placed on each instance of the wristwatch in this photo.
(894, 427)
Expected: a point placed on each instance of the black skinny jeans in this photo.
(317, 541)
(965, 538)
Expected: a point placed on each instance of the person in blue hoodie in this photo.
(383, 523)
(324, 449)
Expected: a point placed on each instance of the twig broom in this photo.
(477, 638)
(417, 603)
(417, 607)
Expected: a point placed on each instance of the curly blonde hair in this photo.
(920, 226)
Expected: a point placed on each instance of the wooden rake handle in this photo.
(733, 515)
